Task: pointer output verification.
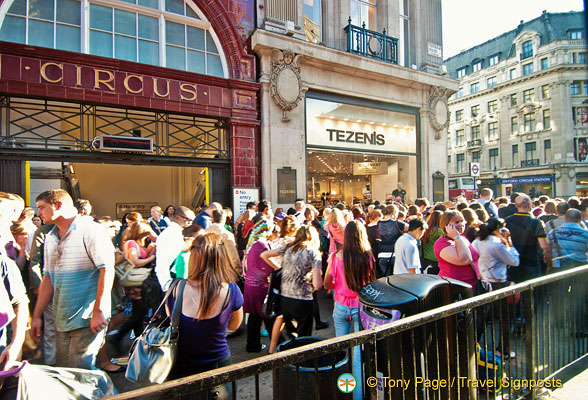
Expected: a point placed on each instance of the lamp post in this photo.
(495, 175)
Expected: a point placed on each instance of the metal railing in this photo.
(438, 353)
(530, 163)
(474, 143)
(372, 44)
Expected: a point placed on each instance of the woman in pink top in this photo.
(457, 258)
(349, 270)
(335, 227)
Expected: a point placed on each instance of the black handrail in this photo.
(372, 44)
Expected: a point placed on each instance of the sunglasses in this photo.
(188, 220)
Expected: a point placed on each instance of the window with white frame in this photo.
(475, 110)
(513, 73)
(514, 125)
(492, 130)
(458, 115)
(530, 151)
(547, 150)
(575, 88)
(544, 92)
(493, 60)
(475, 132)
(475, 87)
(364, 11)
(513, 99)
(527, 50)
(459, 137)
(124, 29)
(492, 106)
(529, 122)
(459, 163)
(528, 69)
(313, 20)
(546, 119)
(476, 156)
(544, 63)
(461, 72)
(576, 34)
(403, 34)
(476, 66)
(515, 155)
(493, 158)
(528, 95)
(490, 82)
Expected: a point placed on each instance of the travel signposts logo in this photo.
(346, 383)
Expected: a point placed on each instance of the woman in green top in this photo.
(183, 259)
(427, 242)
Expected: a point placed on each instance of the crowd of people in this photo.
(58, 267)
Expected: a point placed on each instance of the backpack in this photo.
(489, 210)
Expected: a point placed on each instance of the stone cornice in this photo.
(334, 60)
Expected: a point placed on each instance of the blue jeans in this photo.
(346, 320)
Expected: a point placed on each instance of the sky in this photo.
(467, 23)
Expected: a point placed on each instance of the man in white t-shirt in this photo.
(406, 249)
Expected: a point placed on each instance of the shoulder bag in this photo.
(153, 354)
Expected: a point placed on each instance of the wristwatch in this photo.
(457, 237)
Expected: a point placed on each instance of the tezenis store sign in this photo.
(356, 137)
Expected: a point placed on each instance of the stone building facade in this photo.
(353, 99)
(521, 109)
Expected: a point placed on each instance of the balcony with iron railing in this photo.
(371, 44)
(475, 143)
(530, 163)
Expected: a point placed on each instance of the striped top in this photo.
(73, 263)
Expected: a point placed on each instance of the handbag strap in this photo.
(169, 291)
(177, 310)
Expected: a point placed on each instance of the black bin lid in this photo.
(418, 285)
(380, 294)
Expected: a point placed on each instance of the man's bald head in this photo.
(523, 203)
(573, 215)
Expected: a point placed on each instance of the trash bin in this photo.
(325, 380)
(394, 297)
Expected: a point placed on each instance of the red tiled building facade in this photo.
(35, 72)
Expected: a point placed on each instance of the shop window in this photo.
(513, 99)
(490, 82)
(529, 122)
(461, 72)
(546, 119)
(458, 115)
(475, 87)
(459, 137)
(515, 155)
(312, 20)
(492, 158)
(528, 69)
(118, 31)
(364, 12)
(528, 95)
(476, 132)
(475, 110)
(527, 50)
(493, 60)
(545, 92)
(476, 156)
(459, 163)
(492, 130)
(492, 106)
(514, 125)
(544, 63)
(547, 150)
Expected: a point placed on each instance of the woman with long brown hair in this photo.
(432, 233)
(301, 275)
(349, 270)
(211, 304)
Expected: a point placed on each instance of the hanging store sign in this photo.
(370, 168)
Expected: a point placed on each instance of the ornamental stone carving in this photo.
(439, 111)
(285, 83)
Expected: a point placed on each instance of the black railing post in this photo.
(529, 327)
